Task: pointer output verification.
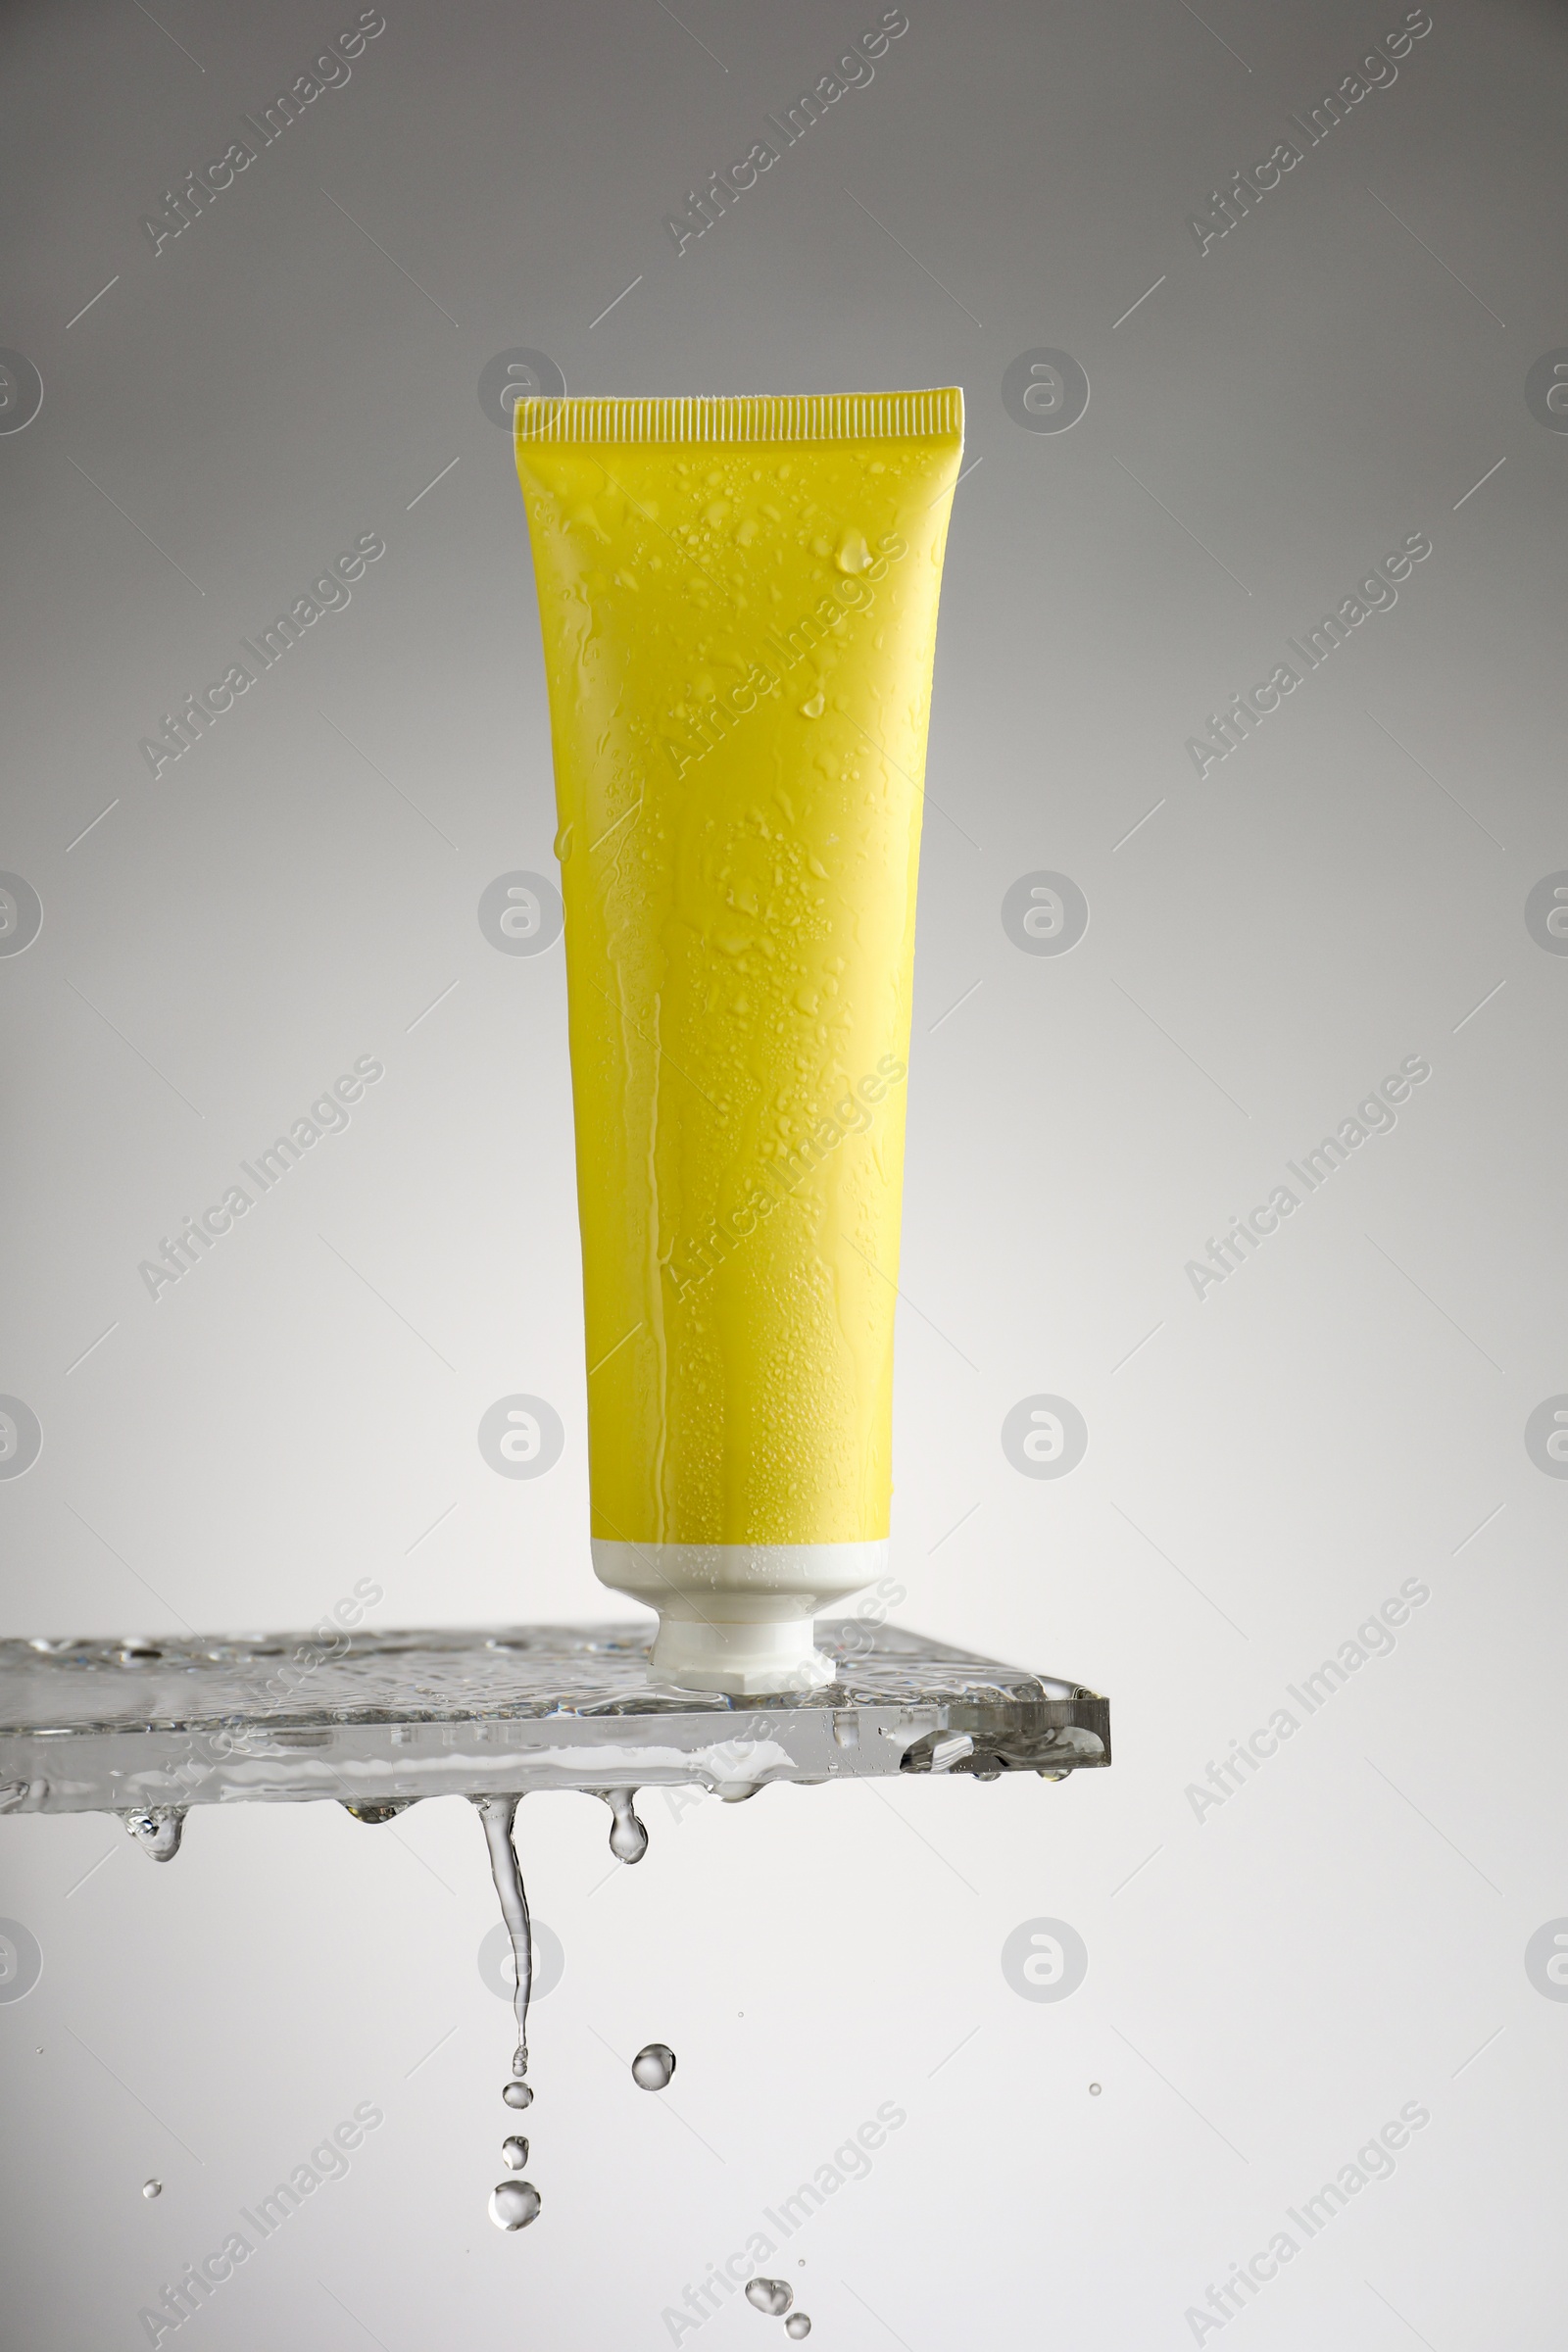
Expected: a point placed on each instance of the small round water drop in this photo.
(514, 2154)
(653, 2066)
(516, 2094)
(157, 1829)
(628, 1839)
(514, 2204)
(1093, 2091)
(770, 2295)
(152, 2188)
(796, 2325)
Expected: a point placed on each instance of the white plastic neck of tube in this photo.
(739, 1617)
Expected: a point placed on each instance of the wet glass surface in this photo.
(378, 1719)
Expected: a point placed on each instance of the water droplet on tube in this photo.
(770, 2295)
(653, 2066)
(514, 2204)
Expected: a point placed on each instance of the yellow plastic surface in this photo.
(738, 601)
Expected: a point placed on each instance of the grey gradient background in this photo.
(1266, 1985)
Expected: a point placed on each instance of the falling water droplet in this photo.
(516, 2094)
(653, 2066)
(514, 2204)
(152, 2188)
(514, 2154)
(796, 2325)
(1093, 2091)
(770, 2295)
(498, 1814)
(628, 1839)
(157, 1829)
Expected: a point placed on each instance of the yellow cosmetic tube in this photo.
(738, 599)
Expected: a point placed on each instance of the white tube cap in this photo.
(749, 1661)
(739, 1617)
